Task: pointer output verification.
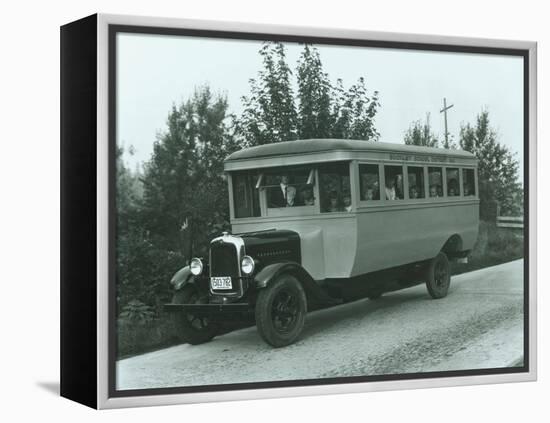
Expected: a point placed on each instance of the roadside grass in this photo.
(140, 337)
(493, 246)
(136, 338)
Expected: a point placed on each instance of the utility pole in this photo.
(444, 111)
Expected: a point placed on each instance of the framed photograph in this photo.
(254, 211)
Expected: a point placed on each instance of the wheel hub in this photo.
(284, 311)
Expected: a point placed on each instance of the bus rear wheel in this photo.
(281, 310)
(438, 278)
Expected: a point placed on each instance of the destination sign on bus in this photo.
(419, 158)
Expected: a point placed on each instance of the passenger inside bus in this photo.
(435, 178)
(333, 205)
(452, 188)
(393, 192)
(284, 195)
(394, 182)
(334, 181)
(416, 182)
(347, 202)
(390, 189)
(369, 194)
(368, 179)
(306, 196)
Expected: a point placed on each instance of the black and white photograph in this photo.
(301, 210)
(284, 211)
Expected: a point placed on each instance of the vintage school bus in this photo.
(323, 221)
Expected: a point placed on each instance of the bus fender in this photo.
(270, 273)
(181, 278)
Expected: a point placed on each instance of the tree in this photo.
(269, 111)
(497, 169)
(420, 133)
(185, 195)
(138, 269)
(178, 203)
(314, 96)
(353, 112)
(323, 110)
(128, 188)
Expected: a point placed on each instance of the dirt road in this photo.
(478, 325)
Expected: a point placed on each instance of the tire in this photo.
(438, 278)
(280, 311)
(192, 329)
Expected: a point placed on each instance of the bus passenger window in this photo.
(468, 182)
(416, 182)
(435, 179)
(393, 176)
(369, 182)
(334, 187)
(453, 188)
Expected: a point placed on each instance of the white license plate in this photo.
(221, 282)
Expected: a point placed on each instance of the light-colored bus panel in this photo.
(327, 243)
(392, 237)
(346, 245)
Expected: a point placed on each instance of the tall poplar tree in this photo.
(314, 96)
(322, 110)
(269, 111)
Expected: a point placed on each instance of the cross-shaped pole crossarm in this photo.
(446, 108)
(444, 111)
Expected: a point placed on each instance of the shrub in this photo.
(494, 246)
(137, 338)
(137, 312)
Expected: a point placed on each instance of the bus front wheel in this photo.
(438, 276)
(281, 311)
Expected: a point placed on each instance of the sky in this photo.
(156, 71)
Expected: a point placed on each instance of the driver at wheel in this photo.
(284, 195)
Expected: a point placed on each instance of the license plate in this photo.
(221, 282)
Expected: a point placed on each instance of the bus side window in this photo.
(469, 184)
(416, 182)
(435, 179)
(453, 187)
(369, 182)
(334, 187)
(393, 176)
(246, 199)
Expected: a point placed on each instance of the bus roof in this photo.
(331, 149)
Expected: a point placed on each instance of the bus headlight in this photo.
(195, 266)
(247, 265)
